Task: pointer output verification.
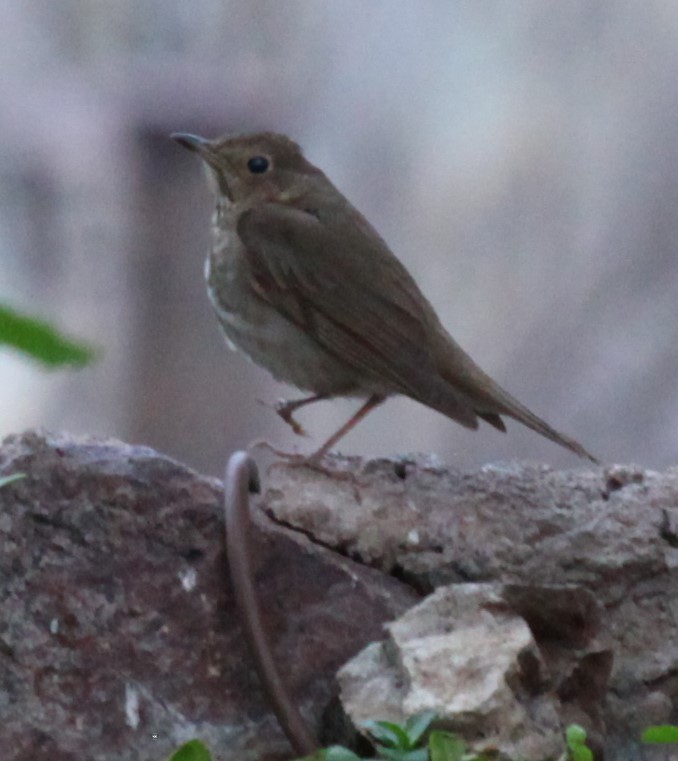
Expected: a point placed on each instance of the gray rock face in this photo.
(118, 634)
(586, 558)
(554, 599)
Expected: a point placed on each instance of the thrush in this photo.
(304, 285)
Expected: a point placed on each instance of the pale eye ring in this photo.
(258, 164)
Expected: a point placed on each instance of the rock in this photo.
(554, 599)
(606, 537)
(467, 655)
(119, 638)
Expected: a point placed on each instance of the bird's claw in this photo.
(285, 409)
(312, 462)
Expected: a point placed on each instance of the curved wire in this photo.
(242, 478)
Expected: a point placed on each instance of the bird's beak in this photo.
(192, 142)
(200, 145)
(206, 151)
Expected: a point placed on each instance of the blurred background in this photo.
(520, 157)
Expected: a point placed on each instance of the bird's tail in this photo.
(523, 415)
(489, 401)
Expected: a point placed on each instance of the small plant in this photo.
(662, 734)
(333, 753)
(400, 743)
(396, 742)
(575, 740)
(193, 750)
(445, 746)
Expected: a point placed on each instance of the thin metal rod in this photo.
(241, 479)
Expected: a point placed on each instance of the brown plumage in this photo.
(304, 285)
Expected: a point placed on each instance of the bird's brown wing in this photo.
(346, 289)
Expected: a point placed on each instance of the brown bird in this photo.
(304, 285)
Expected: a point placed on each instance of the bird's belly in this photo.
(279, 346)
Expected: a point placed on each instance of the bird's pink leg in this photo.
(285, 408)
(374, 401)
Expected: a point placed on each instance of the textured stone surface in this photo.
(611, 531)
(466, 653)
(118, 635)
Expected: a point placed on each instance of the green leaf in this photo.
(416, 725)
(4, 480)
(336, 753)
(662, 734)
(575, 739)
(419, 754)
(581, 753)
(387, 733)
(401, 754)
(445, 746)
(193, 750)
(575, 735)
(41, 341)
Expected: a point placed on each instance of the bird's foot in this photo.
(285, 410)
(313, 462)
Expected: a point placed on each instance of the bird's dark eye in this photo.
(258, 164)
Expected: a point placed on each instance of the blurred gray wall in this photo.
(520, 157)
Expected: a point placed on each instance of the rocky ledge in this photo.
(511, 601)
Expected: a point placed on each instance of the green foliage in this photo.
(4, 480)
(416, 726)
(193, 750)
(575, 739)
(444, 746)
(662, 734)
(40, 341)
(335, 753)
(394, 742)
